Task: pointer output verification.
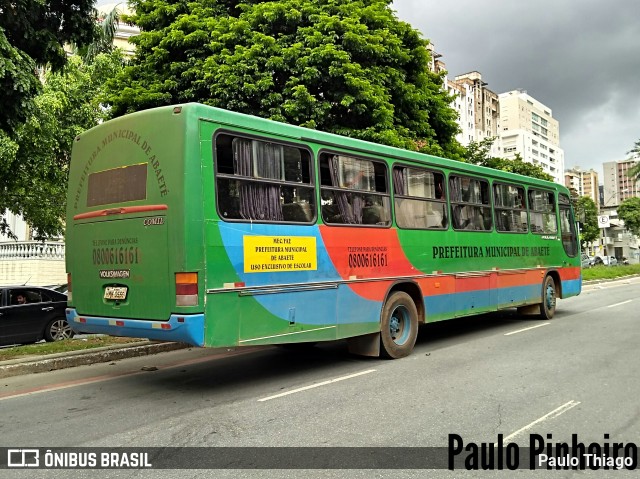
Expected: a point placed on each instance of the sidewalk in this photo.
(51, 362)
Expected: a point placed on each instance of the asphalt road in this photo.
(477, 377)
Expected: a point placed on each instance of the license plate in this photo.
(115, 292)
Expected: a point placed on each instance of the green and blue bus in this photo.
(218, 229)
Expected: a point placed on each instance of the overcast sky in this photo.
(581, 58)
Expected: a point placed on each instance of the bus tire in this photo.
(548, 304)
(398, 326)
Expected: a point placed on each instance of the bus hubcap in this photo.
(399, 325)
(551, 297)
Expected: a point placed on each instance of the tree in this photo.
(629, 212)
(32, 34)
(478, 153)
(36, 177)
(347, 67)
(635, 155)
(587, 214)
(105, 34)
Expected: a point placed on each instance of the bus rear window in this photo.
(119, 185)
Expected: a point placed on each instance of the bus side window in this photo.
(510, 208)
(261, 180)
(543, 212)
(419, 198)
(354, 191)
(470, 203)
(568, 226)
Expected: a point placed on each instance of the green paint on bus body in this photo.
(144, 250)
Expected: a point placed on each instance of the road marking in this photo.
(553, 414)
(323, 383)
(619, 304)
(527, 329)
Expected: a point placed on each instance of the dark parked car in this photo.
(31, 313)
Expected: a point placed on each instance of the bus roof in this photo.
(242, 120)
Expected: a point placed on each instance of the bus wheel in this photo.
(548, 305)
(399, 326)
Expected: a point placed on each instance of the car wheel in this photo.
(57, 330)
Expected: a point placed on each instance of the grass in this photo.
(609, 272)
(73, 344)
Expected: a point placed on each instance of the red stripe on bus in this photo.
(570, 273)
(120, 211)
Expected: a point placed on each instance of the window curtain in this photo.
(351, 212)
(258, 201)
(399, 183)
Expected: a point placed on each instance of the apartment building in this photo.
(527, 127)
(584, 183)
(477, 108)
(618, 186)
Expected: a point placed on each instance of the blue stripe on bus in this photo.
(189, 330)
(345, 305)
(448, 304)
(571, 287)
(319, 306)
(233, 236)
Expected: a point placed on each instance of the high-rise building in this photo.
(618, 186)
(528, 128)
(584, 183)
(477, 108)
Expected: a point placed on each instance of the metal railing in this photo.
(24, 250)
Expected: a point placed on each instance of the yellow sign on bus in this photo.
(264, 254)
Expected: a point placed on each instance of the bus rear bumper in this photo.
(184, 328)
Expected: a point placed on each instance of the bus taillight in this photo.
(69, 298)
(186, 289)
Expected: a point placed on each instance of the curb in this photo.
(39, 364)
(609, 280)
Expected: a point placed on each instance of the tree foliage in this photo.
(635, 155)
(478, 153)
(587, 215)
(347, 67)
(32, 34)
(629, 212)
(36, 174)
(103, 41)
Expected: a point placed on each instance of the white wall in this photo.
(38, 272)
